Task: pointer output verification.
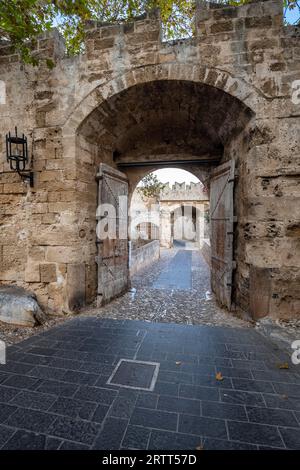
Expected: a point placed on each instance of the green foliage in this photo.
(151, 186)
(21, 21)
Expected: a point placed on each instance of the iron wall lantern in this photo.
(17, 155)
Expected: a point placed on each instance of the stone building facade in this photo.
(187, 204)
(181, 211)
(135, 102)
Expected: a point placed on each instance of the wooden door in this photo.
(112, 259)
(222, 231)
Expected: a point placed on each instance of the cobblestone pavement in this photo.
(155, 295)
(152, 301)
(217, 388)
(13, 334)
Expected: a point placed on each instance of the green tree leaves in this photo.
(21, 21)
(151, 186)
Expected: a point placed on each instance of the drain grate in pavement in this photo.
(135, 374)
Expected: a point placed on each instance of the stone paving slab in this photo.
(52, 401)
(178, 273)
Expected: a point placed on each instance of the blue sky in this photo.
(292, 16)
(173, 175)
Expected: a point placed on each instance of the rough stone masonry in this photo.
(224, 94)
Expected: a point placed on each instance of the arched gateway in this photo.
(219, 105)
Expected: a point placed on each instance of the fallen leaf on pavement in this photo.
(283, 366)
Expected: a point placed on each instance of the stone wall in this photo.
(206, 251)
(232, 83)
(184, 192)
(144, 256)
(186, 218)
(174, 201)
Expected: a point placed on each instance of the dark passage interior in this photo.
(157, 124)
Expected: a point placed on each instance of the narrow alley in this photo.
(174, 289)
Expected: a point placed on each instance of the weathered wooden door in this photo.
(222, 231)
(112, 259)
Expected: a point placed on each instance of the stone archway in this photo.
(229, 53)
(220, 79)
(185, 221)
(172, 222)
(154, 123)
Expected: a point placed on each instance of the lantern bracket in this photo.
(27, 175)
(17, 155)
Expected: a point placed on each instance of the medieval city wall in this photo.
(47, 233)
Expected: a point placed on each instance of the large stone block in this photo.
(221, 27)
(64, 254)
(76, 286)
(19, 307)
(260, 292)
(48, 272)
(32, 272)
(258, 22)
